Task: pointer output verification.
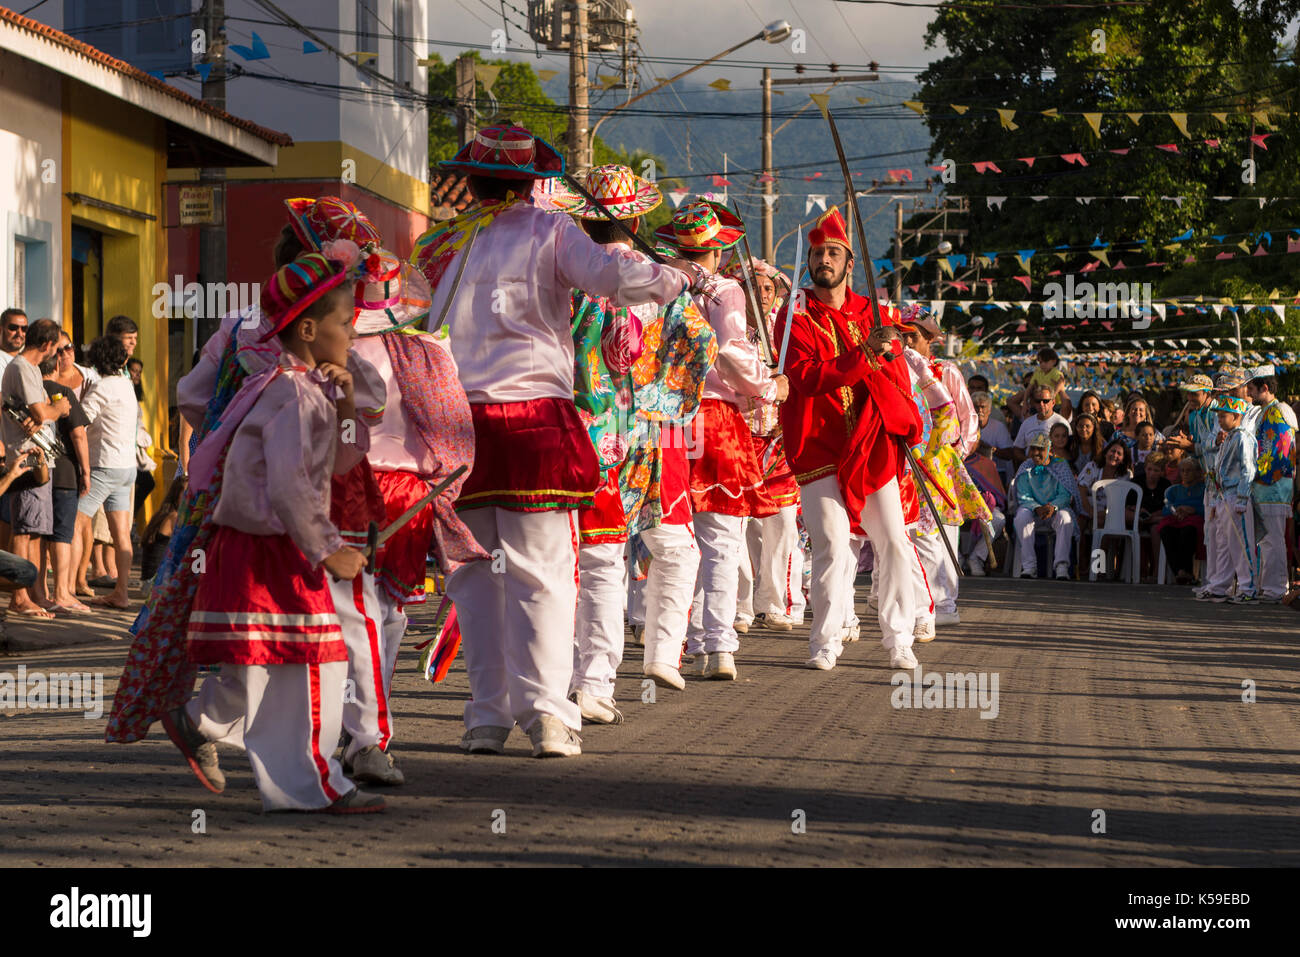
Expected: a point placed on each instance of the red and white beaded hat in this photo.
(326, 218)
(702, 225)
(391, 295)
(620, 191)
(507, 152)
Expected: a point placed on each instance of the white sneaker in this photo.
(855, 632)
(596, 710)
(778, 623)
(976, 568)
(923, 630)
(947, 618)
(700, 666)
(485, 739)
(552, 738)
(721, 666)
(902, 659)
(665, 676)
(1063, 572)
(822, 661)
(741, 626)
(373, 766)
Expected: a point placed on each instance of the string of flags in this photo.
(1099, 308)
(1260, 114)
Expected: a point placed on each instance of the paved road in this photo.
(1116, 698)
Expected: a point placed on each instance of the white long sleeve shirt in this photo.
(739, 375)
(509, 322)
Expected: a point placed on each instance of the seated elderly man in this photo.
(1041, 497)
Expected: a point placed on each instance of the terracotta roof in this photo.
(121, 66)
(448, 193)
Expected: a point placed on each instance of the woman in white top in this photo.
(110, 405)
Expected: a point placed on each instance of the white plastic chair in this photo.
(1117, 492)
(1162, 574)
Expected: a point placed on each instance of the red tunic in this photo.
(843, 402)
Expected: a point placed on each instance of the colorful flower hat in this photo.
(302, 282)
(1229, 377)
(618, 190)
(916, 317)
(733, 266)
(326, 218)
(1229, 403)
(703, 224)
(831, 228)
(392, 294)
(507, 152)
(1198, 383)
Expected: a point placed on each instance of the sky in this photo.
(839, 32)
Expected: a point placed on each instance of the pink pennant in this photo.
(1156, 264)
(1119, 264)
(1189, 259)
(1022, 328)
(1054, 272)
(1028, 160)
(1292, 245)
(1259, 251)
(914, 288)
(1074, 158)
(809, 179)
(720, 181)
(767, 178)
(959, 285)
(939, 169)
(1123, 152)
(898, 175)
(1023, 280)
(1091, 266)
(1259, 138)
(986, 165)
(1212, 144)
(1167, 147)
(1226, 256)
(1108, 326)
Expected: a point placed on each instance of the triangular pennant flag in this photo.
(546, 76)
(937, 307)
(1100, 254)
(920, 260)
(204, 70)
(1023, 280)
(1218, 309)
(1084, 200)
(257, 52)
(814, 199)
(1176, 200)
(769, 199)
(1261, 117)
(945, 266)
(964, 304)
(487, 75)
(1182, 237)
(905, 263)
(960, 110)
(1280, 310)
(1259, 138)
(721, 83)
(1121, 152)
(309, 47)
(1212, 144)
(158, 75)
(1094, 120)
(1221, 117)
(1050, 114)
(1024, 255)
(1006, 116)
(1135, 117)
(1038, 199)
(1028, 160)
(1243, 246)
(985, 165)
(997, 201)
(361, 56)
(1180, 121)
(1292, 245)
(1159, 308)
(1167, 147)
(677, 195)
(821, 99)
(863, 100)
(1074, 158)
(914, 105)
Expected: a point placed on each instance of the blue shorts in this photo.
(111, 488)
(65, 515)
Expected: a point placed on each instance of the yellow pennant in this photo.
(546, 76)
(1180, 121)
(821, 99)
(361, 56)
(1261, 117)
(1135, 117)
(961, 110)
(1050, 114)
(1221, 117)
(487, 75)
(1006, 117)
(1094, 120)
(1101, 254)
(945, 266)
(864, 100)
(915, 105)
(721, 83)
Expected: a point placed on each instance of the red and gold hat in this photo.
(507, 152)
(326, 218)
(830, 229)
(702, 225)
(297, 285)
(620, 191)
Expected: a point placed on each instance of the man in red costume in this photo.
(849, 410)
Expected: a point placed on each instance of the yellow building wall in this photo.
(117, 153)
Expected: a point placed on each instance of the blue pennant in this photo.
(258, 51)
(205, 69)
(309, 47)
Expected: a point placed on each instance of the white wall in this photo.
(31, 128)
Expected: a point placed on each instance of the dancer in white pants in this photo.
(1274, 482)
(598, 648)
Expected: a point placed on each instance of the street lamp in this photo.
(774, 32)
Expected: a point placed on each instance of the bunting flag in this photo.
(677, 195)
(1135, 117)
(1094, 120)
(1221, 117)
(914, 105)
(959, 109)
(1006, 116)
(986, 165)
(1259, 138)
(814, 199)
(1167, 147)
(768, 198)
(1074, 158)
(1024, 255)
(995, 201)
(487, 75)
(1180, 121)
(721, 83)
(822, 99)
(546, 76)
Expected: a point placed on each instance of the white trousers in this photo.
(1271, 564)
(1026, 522)
(287, 718)
(517, 626)
(394, 630)
(1209, 536)
(598, 636)
(365, 698)
(939, 572)
(779, 564)
(1234, 543)
(720, 539)
(669, 591)
(636, 598)
(922, 594)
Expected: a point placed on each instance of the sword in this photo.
(747, 272)
(376, 538)
(455, 282)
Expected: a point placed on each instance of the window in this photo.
(403, 31)
(18, 288)
(148, 34)
(368, 31)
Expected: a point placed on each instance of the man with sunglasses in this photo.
(13, 335)
(1040, 401)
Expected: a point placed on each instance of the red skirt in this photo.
(778, 477)
(260, 602)
(725, 475)
(604, 521)
(355, 502)
(532, 456)
(675, 480)
(400, 561)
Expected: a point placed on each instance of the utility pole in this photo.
(768, 192)
(465, 97)
(212, 237)
(577, 143)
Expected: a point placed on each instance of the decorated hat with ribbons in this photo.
(304, 281)
(703, 224)
(1198, 383)
(1229, 377)
(1230, 403)
(616, 188)
(507, 152)
(391, 295)
(318, 221)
